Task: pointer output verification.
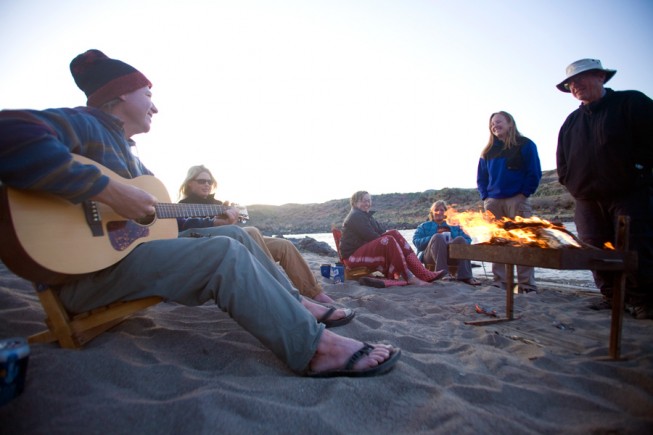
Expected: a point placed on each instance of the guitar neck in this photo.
(167, 211)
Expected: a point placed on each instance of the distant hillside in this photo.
(400, 210)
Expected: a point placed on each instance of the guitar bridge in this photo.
(93, 218)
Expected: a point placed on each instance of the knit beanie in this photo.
(102, 79)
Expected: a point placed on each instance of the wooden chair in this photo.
(72, 332)
(350, 273)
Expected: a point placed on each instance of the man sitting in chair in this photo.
(227, 268)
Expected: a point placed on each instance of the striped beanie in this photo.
(102, 79)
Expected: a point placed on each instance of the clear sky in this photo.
(306, 101)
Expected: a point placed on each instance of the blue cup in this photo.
(14, 355)
(339, 274)
(325, 270)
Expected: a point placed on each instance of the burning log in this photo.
(527, 232)
(536, 235)
(533, 242)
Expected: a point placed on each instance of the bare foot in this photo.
(333, 352)
(439, 274)
(318, 310)
(324, 298)
(416, 281)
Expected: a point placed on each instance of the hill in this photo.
(400, 210)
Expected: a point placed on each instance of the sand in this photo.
(175, 369)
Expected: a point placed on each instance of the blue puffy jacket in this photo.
(426, 230)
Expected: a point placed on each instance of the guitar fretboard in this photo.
(166, 210)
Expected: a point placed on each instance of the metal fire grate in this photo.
(587, 258)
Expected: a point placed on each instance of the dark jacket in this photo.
(197, 222)
(195, 199)
(359, 228)
(605, 148)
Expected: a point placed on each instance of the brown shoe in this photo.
(603, 304)
(642, 312)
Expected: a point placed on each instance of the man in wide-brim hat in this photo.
(605, 160)
(585, 68)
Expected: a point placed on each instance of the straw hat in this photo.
(580, 66)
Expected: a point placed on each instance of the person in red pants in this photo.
(365, 243)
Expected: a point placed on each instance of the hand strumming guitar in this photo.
(128, 201)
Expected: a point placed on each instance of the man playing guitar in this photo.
(36, 156)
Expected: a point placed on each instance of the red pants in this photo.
(387, 254)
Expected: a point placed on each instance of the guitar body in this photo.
(50, 240)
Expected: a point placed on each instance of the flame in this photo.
(608, 245)
(483, 227)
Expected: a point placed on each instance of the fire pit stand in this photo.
(589, 258)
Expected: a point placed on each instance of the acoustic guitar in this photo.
(46, 239)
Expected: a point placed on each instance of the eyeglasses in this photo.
(202, 181)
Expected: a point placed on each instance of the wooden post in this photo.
(619, 289)
(510, 288)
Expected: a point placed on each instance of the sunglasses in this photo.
(202, 181)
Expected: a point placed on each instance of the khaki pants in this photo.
(286, 254)
(518, 205)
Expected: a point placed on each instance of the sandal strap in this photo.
(327, 315)
(362, 352)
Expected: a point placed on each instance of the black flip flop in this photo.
(347, 370)
(349, 314)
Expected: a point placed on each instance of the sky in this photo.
(307, 101)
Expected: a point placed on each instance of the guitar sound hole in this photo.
(147, 220)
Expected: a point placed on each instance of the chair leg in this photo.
(73, 333)
(357, 272)
(57, 320)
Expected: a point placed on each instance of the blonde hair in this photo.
(357, 196)
(192, 174)
(436, 204)
(512, 138)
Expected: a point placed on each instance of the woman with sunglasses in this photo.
(199, 187)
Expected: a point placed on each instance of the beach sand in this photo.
(175, 369)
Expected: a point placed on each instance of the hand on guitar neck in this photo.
(229, 217)
(126, 200)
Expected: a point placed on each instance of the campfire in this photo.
(533, 232)
(530, 242)
(539, 243)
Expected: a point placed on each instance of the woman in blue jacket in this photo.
(432, 237)
(509, 173)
